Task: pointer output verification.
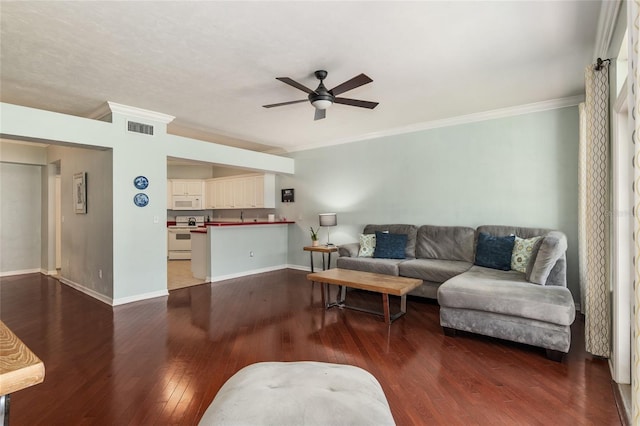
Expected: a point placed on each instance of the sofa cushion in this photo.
(349, 249)
(523, 250)
(494, 252)
(390, 246)
(552, 248)
(445, 242)
(409, 230)
(508, 293)
(369, 264)
(434, 270)
(367, 245)
(520, 231)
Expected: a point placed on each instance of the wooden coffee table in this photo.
(379, 283)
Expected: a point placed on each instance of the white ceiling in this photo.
(213, 65)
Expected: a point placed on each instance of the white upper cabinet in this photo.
(241, 192)
(187, 187)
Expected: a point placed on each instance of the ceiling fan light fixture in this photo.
(321, 103)
(322, 98)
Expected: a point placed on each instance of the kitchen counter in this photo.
(247, 223)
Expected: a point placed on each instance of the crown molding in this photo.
(454, 121)
(109, 107)
(140, 113)
(606, 23)
(99, 113)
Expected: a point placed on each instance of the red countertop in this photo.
(248, 223)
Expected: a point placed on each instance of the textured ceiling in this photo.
(213, 64)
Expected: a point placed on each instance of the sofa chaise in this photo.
(530, 305)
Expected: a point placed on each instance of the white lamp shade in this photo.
(328, 219)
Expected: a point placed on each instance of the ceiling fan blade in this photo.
(284, 103)
(356, 81)
(295, 84)
(356, 102)
(320, 114)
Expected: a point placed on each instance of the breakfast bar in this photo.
(224, 250)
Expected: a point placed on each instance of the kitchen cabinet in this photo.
(241, 192)
(187, 187)
(214, 193)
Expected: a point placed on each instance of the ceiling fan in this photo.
(321, 98)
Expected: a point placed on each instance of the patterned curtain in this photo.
(594, 215)
(633, 83)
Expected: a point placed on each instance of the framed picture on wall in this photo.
(80, 192)
(287, 195)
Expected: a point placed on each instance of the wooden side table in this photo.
(321, 249)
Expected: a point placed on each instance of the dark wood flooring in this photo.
(161, 361)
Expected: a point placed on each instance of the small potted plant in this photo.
(314, 236)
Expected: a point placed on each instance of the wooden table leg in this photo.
(385, 306)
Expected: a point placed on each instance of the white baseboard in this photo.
(20, 272)
(108, 300)
(245, 273)
(300, 268)
(139, 297)
(258, 271)
(54, 272)
(87, 291)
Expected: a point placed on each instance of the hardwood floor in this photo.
(161, 361)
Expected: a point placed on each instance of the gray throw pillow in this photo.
(552, 247)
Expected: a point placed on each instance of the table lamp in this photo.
(328, 219)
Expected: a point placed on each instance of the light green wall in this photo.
(520, 170)
(241, 250)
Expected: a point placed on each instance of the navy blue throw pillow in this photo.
(494, 252)
(391, 246)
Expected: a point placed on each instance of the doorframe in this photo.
(54, 221)
(621, 242)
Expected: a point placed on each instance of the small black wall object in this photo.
(287, 195)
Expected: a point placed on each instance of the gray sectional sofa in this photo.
(532, 307)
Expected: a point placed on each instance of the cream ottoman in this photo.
(299, 393)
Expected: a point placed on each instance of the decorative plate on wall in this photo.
(141, 200)
(141, 182)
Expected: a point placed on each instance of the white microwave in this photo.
(187, 202)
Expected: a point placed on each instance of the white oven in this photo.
(179, 243)
(179, 236)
